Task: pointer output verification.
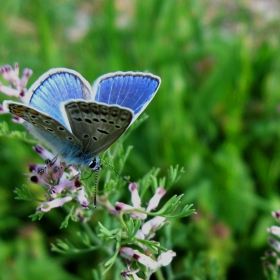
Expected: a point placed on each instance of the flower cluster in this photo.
(62, 184)
(52, 176)
(271, 260)
(146, 232)
(17, 85)
(55, 180)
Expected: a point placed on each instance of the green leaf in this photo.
(174, 175)
(37, 216)
(64, 224)
(65, 247)
(104, 230)
(132, 228)
(146, 181)
(153, 246)
(111, 260)
(5, 131)
(170, 206)
(23, 193)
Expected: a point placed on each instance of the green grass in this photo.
(216, 114)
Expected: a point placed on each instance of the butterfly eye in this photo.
(94, 165)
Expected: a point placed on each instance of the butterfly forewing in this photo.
(97, 125)
(133, 90)
(54, 87)
(79, 122)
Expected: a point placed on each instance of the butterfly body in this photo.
(79, 122)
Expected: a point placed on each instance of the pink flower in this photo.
(42, 152)
(17, 85)
(126, 253)
(61, 183)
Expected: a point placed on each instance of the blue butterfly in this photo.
(78, 121)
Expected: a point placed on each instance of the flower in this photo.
(163, 259)
(135, 198)
(136, 202)
(119, 206)
(275, 244)
(146, 232)
(275, 230)
(153, 225)
(48, 205)
(153, 203)
(125, 274)
(17, 86)
(145, 260)
(271, 259)
(61, 186)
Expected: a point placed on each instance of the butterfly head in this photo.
(94, 165)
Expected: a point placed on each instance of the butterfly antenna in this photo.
(117, 172)
(95, 189)
(52, 162)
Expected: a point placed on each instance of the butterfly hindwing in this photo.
(133, 90)
(97, 125)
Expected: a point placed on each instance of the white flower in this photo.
(119, 206)
(153, 225)
(145, 260)
(154, 201)
(275, 244)
(48, 205)
(82, 199)
(136, 202)
(275, 230)
(165, 259)
(135, 198)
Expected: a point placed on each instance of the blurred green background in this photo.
(216, 114)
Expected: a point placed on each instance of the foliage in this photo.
(216, 115)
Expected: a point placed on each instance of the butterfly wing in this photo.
(47, 129)
(98, 126)
(54, 87)
(61, 102)
(133, 90)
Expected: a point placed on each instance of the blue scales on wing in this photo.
(77, 121)
(56, 87)
(133, 90)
